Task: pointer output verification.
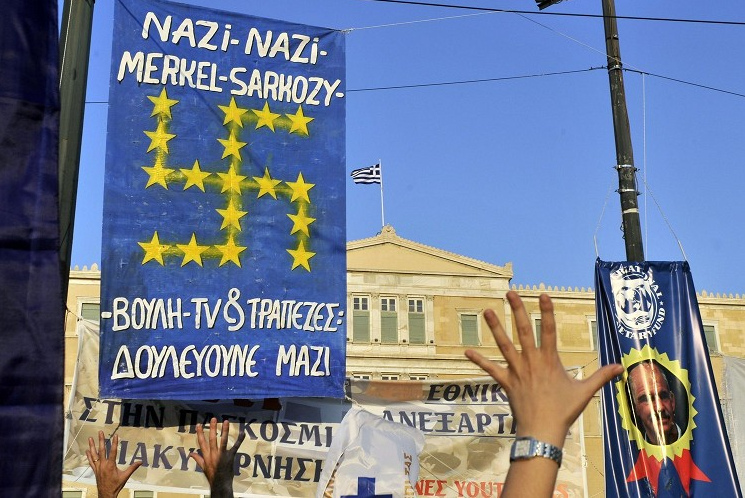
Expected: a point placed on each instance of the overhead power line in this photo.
(684, 82)
(518, 77)
(541, 75)
(482, 80)
(565, 14)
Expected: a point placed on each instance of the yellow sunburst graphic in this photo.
(624, 410)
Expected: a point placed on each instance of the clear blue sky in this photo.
(516, 170)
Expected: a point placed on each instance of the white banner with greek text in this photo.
(467, 425)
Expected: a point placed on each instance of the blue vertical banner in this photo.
(224, 263)
(31, 305)
(664, 431)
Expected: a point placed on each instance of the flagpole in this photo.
(382, 210)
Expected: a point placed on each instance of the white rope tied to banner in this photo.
(647, 190)
(600, 220)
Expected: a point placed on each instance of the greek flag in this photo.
(371, 174)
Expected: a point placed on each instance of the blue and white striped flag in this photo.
(371, 174)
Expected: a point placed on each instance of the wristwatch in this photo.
(528, 447)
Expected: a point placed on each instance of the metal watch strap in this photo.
(528, 447)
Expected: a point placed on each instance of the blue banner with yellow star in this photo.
(664, 431)
(224, 259)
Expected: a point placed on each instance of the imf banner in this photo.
(664, 432)
(224, 214)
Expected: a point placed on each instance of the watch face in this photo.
(521, 447)
(528, 447)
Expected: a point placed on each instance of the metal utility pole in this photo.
(75, 43)
(632, 231)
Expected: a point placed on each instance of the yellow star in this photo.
(299, 121)
(157, 174)
(192, 251)
(159, 138)
(300, 221)
(153, 250)
(230, 252)
(233, 113)
(162, 104)
(300, 188)
(301, 257)
(232, 146)
(194, 176)
(266, 184)
(231, 216)
(266, 117)
(231, 181)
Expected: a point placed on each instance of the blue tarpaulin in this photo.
(31, 308)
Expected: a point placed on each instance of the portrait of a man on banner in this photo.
(654, 404)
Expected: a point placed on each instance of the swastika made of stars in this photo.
(236, 189)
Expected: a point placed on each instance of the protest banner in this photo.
(664, 431)
(224, 263)
(467, 426)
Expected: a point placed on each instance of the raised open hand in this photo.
(545, 400)
(109, 479)
(217, 462)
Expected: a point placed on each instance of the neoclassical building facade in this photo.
(413, 310)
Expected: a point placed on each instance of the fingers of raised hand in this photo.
(101, 446)
(224, 435)
(197, 458)
(130, 470)
(92, 449)
(200, 438)
(548, 323)
(524, 327)
(114, 448)
(238, 441)
(498, 373)
(92, 459)
(601, 376)
(500, 336)
(213, 433)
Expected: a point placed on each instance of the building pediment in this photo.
(389, 253)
